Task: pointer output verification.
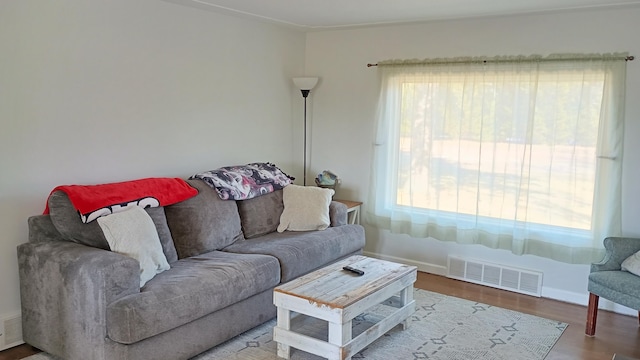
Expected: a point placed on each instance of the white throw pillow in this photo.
(305, 208)
(132, 233)
(632, 264)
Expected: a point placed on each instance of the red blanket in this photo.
(93, 201)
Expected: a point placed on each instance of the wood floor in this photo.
(615, 333)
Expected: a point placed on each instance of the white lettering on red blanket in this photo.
(244, 182)
(147, 202)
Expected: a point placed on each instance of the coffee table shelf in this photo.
(337, 296)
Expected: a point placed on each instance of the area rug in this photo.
(442, 328)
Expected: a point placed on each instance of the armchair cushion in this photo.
(620, 287)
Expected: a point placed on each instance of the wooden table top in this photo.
(350, 203)
(337, 288)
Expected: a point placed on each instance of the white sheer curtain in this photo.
(519, 153)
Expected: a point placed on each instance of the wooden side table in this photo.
(353, 210)
(337, 297)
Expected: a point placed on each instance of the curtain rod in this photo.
(628, 58)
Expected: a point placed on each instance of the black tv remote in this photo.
(353, 270)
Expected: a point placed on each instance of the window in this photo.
(521, 154)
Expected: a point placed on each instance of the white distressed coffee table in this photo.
(338, 296)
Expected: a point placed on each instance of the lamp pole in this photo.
(305, 94)
(305, 84)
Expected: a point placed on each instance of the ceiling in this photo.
(334, 14)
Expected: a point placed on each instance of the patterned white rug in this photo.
(442, 328)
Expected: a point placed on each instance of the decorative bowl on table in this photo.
(327, 180)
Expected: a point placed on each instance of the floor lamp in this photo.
(305, 84)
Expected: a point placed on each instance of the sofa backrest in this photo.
(261, 215)
(204, 222)
(194, 226)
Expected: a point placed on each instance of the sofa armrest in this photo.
(617, 250)
(337, 213)
(65, 289)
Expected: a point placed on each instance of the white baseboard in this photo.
(583, 299)
(549, 293)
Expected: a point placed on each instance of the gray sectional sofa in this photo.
(82, 301)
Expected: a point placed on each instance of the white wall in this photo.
(345, 102)
(101, 91)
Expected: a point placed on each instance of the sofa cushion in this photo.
(192, 288)
(305, 208)
(203, 223)
(301, 252)
(622, 286)
(132, 233)
(66, 220)
(260, 215)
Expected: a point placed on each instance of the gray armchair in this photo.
(609, 281)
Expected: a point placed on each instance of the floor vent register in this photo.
(495, 275)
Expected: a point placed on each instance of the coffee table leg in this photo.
(406, 296)
(340, 334)
(284, 322)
